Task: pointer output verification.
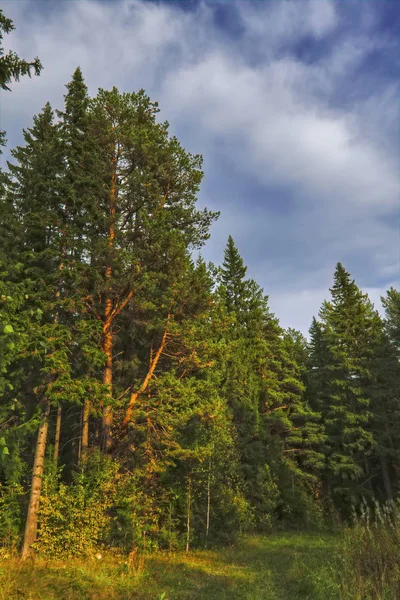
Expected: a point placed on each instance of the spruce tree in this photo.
(12, 290)
(33, 192)
(278, 434)
(12, 67)
(46, 366)
(81, 190)
(242, 384)
(391, 304)
(343, 357)
(233, 272)
(386, 400)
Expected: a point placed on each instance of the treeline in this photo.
(149, 399)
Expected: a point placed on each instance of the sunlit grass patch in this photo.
(278, 567)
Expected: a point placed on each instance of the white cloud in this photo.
(285, 137)
(324, 177)
(297, 309)
(279, 23)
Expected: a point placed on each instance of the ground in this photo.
(277, 567)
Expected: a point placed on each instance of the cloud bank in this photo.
(293, 106)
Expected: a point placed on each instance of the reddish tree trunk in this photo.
(107, 342)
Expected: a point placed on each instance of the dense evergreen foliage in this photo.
(151, 400)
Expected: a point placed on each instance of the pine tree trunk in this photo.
(386, 478)
(107, 380)
(85, 428)
(36, 488)
(107, 345)
(57, 436)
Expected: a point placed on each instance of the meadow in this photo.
(276, 567)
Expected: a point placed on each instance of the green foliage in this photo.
(10, 515)
(391, 304)
(370, 553)
(277, 433)
(348, 385)
(176, 407)
(11, 66)
(75, 519)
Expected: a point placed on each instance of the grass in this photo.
(370, 555)
(278, 567)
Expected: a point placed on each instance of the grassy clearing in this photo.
(278, 567)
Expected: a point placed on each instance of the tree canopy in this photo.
(150, 398)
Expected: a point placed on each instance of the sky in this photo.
(294, 105)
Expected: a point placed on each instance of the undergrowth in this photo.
(369, 555)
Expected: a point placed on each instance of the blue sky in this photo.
(294, 105)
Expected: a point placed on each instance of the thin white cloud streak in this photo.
(278, 23)
(272, 119)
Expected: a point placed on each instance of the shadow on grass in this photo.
(278, 567)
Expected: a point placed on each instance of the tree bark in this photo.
(57, 436)
(153, 364)
(36, 487)
(107, 380)
(107, 341)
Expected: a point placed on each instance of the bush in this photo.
(75, 519)
(10, 516)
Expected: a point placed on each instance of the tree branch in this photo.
(153, 364)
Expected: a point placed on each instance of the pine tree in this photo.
(318, 366)
(145, 211)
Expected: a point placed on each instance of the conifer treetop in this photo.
(12, 67)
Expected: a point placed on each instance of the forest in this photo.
(151, 402)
